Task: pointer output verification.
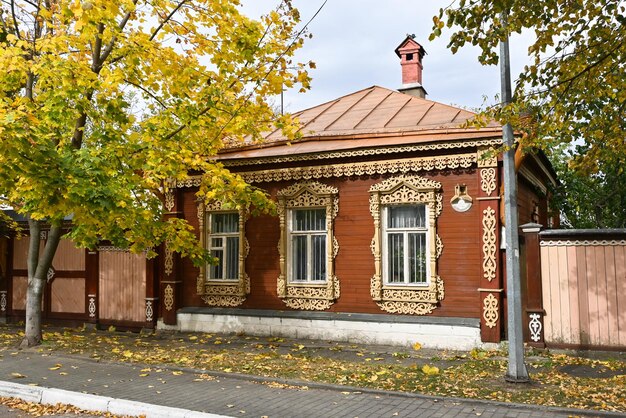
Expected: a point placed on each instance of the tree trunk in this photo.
(37, 272)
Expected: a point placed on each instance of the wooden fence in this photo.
(583, 281)
(104, 287)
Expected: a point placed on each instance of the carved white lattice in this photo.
(489, 244)
(535, 327)
(488, 180)
(168, 297)
(215, 292)
(149, 311)
(490, 310)
(91, 307)
(407, 189)
(311, 296)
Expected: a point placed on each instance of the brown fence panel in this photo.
(122, 286)
(68, 257)
(584, 288)
(67, 295)
(20, 285)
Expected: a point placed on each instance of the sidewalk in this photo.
(176, 392)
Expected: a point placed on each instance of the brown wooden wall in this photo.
(459, 265)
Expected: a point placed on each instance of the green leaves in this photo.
(573, 88)
(102, 103)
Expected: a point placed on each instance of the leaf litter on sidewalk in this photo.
(477, 374)
(40, 410)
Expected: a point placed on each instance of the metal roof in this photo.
(376, 115)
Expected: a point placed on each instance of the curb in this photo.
(50, 396)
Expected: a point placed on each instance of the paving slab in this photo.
(166, 389)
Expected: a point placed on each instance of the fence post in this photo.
(534, 313)
(92, 284)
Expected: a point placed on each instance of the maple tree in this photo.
(573, 89)
(103, 103)
(604, 191)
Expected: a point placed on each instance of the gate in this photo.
(122, 282)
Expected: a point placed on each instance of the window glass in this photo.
(224, 223)
(308, 245)
(406, 216)
(405, 232)
(309, 220)
(224, 246)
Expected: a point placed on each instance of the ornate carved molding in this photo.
(91, 305)
(168, 297)
(308, 296)
(489, 244)
(111, 248)
(582, 243)
(490, 310)
(168, 262)
(169, 192)
(169, 200)
(351, 169)
(535, 327)
(216, 292)
(403, 189)
(3, 301)
(149, 311)
(363, 152)
(488, 180)
(226, 295)
(487, 157)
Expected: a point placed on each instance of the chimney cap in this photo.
(410, 43)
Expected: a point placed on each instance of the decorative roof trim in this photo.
(363, 152)
(583, 243)
(401, 166)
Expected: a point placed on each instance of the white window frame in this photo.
(229, 292)
(311, 294)
(405, 232)
(309, 234)
(224, 236)
(406, 298)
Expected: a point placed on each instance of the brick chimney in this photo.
(411, 54)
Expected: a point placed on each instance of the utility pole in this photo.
(517, 369)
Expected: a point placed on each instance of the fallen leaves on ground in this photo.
(475, 374)
(40, 410)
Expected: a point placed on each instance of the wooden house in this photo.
(388, 227)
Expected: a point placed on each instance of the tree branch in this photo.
(17, 28)
(33, 247)
(109, 48)
(95, 55)
(54, 236)
(210, 106)
(140, 87)
(167, 19)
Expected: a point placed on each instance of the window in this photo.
(406, 245)
(307, 246)
(404, 236)
(223, 239)
(222, 232)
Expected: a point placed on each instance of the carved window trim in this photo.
(418, 299)
(308, 295)
(225, 293)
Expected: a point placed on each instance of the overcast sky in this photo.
(353, 47)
